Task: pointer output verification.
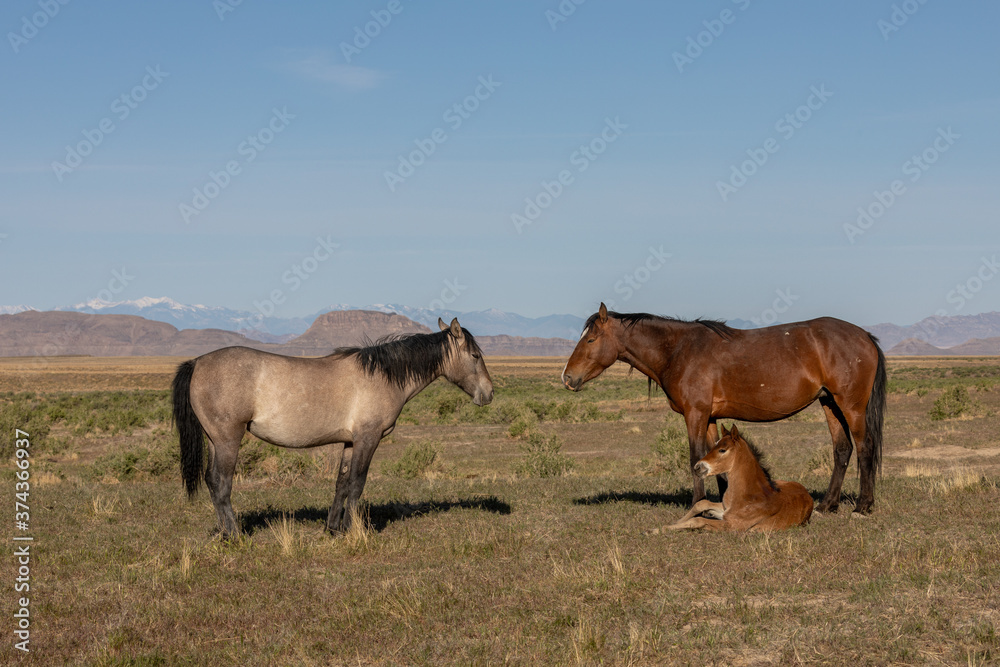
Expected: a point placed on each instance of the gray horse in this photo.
(353, 396)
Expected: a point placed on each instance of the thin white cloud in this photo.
(318, 66)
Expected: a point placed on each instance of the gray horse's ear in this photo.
(603, 313)
(456, 329)
(442, 324)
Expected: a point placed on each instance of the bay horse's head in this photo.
(730, 449)
(464, 366)
(597, 349)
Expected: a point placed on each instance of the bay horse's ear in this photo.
(603, 313)
(456, 329)
(442, 324)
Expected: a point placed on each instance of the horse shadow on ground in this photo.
(378, 516)
(682, 498)
(642, 497)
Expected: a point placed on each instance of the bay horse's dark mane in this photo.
(403, 358)
(629, 320)
(757, 454)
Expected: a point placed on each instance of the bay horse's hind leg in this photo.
(222, 454)
(842, 449)
(866, 461)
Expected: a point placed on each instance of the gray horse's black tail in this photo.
(875, 413)
(191, 434)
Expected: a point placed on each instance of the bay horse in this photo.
(710, 371)
(753, 501)
(352, 396)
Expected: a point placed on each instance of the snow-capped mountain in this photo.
(184, 316)
(13, 310)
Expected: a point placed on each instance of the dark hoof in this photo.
(823, 508)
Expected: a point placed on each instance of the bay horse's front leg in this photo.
(713, 438)
(338, 521)
(697, 428)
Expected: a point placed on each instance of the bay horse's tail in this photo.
(875, 413)
(191, 434)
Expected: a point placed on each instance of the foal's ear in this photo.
(456, 329)
(442, 324)
(603, 313)
(735, 432)
(724, 431)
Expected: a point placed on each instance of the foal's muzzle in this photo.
(701, 469)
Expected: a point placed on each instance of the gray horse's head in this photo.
(464, 366)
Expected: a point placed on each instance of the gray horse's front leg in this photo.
(338, 521)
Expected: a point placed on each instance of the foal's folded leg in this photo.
(715, 510)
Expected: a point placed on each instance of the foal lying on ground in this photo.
(753, 500)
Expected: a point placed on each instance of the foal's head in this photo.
(464, 365)
(731, 450)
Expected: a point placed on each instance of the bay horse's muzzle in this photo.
(571, 383)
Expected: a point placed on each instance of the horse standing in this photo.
(753, 501)
(710, 371)
(353, 396)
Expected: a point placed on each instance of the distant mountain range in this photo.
(492, 322)
(933, 335)
(59, 333)
(281, 329)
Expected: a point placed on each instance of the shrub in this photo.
(158, 457)
(260, 459)
(543, 458)
(954, 402)
(414, 462)
(671, 450)
(20, 411)
(448, 406)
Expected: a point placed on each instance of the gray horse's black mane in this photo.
(759, 455)
(403, 358)
(629, 320)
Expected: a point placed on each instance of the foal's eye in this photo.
(591, 340)
(722, 451)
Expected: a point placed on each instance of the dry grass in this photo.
(478, 565)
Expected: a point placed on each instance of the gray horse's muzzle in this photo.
(483, 398)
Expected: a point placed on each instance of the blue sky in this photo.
(711, 155)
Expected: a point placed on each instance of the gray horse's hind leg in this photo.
(219, 479)
(338, 521)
